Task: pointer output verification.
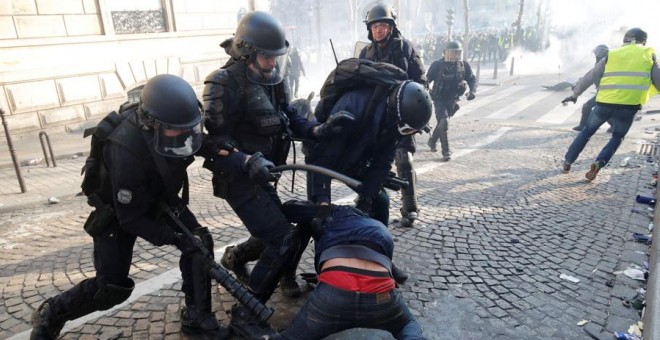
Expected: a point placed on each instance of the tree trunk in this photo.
(466, 36)
(518, 39)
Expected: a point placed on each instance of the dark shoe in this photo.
(205, 325)
(43, 325)
(446, 158)
(408, 218)
(566, 167)
(230, 262)
(289, 286)
(578, 128)
(432, 146)
(399, 275)
(593, 171)
(244, 324)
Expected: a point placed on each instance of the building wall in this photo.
(66, 63)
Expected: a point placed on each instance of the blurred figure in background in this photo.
(600, 52)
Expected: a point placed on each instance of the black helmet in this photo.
(601, 51)
(169, 106)
(380, 13)
(453, 51)
(413, 106)
(635, 36)
(261, 34)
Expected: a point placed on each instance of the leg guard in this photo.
(197, 316)
(236, 257)
(405, 170)
(274, 261)
(381, 208)
(86, 297)
(443, 126)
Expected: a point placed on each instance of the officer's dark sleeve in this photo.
(430, 74)
(470, 78)
(415, 65)
(329, 155)
(132, 196)
(299, 125)
(222, 109)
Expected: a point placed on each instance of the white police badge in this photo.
(124, 196)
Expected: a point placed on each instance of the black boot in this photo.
(399, 275)
(44, 325)
(244, 324)
(236, 258)
(289, 286)
(194, 322)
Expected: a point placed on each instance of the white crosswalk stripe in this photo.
(479, 103)
(520, 105)
(561, 113)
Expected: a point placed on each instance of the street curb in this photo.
(652, 312)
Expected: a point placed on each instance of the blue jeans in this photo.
(329, 310)
(622, 118)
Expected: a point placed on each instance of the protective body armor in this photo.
(448, 83)
(394, 55)
(258, 123)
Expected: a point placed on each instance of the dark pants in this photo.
(623, 119)
(113, 255)
(259, 208)
(294, 84)
(587, 107)
(329, 310)
(444, 108)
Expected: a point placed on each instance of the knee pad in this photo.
(110, 294)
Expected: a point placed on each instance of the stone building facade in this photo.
(65, 63)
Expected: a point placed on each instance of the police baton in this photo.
(221, 275)
(350, 182)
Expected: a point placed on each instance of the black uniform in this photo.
(448, 85)
(400, 52)
(136, 190)
(253, 118)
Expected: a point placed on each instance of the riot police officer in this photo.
(366, 150)
(389, 46)
(143, 165)
(451, 76)
(250, 126)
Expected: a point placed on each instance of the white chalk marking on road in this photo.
(143, 288)
(519, 105)
(478, 103)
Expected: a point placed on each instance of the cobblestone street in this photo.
(499, 224)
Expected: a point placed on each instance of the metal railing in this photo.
(43, 134)
(12, 152)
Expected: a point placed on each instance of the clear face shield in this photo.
(267, 69)
(453, 55)
(177, 140)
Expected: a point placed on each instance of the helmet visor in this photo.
(453, 55)
(267, 69)
(177, 141)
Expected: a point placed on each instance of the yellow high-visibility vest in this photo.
(627, 76)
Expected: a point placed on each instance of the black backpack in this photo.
(351, 74)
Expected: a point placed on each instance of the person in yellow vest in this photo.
(626, 79)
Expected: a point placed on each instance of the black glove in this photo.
(323, 215)
(427, 128)
(205, 238)
(570, 98)
(335, 124)
(258, 168)
(187, 245)
(366, 205)
(470, 95)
